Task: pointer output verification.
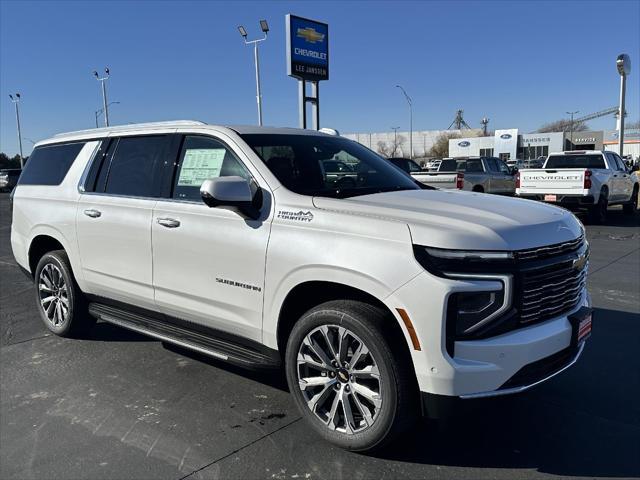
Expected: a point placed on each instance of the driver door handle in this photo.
(169, 222)
(92, 213)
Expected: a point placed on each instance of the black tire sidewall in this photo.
(373, 436)
(59, 260)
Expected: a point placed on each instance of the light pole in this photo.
(265, 28)
(395, 140)
(623, 64)
(105, 106)
(410, 119)
(100, 110)
(16, 101)
(571, 127)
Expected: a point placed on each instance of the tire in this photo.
(478, 189)
(631, 207)
(598, 213)
(61, 304)
(381, 408)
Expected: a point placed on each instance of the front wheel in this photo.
(349, 385)
(631, 207)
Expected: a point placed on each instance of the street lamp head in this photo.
(11, 96)
(106, 70)
(623, 64)
(242, 31)
(264, 26)
(95, 74)
(18, 95)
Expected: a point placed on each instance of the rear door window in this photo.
(48, 165)
(136, 166)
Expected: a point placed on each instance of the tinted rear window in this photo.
(48, 165)
(135, 168)
(474, 165)
(575, 161)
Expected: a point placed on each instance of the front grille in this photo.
(554, 282)
(550, 250)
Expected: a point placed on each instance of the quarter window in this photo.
(136, 166)
(202, 158)
(49, 165)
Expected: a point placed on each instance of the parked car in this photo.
(582, 180)
(233, 242)
(477, 174)
(406, 164)
(9, 178)
(339, 173)
(433, 165)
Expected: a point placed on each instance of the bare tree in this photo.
(563, 125)
(440, 148)
(384, 149)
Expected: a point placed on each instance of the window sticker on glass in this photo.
(199, 164)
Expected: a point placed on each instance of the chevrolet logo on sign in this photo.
(310, 35)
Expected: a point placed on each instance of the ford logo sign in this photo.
(505, 136)
(464, 144)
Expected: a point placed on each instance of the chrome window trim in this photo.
(87, 167)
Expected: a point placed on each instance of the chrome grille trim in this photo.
(550, 250)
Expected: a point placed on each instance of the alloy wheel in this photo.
(339, 379)
(54, 295)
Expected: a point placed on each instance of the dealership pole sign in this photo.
(308, 61)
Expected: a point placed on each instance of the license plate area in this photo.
(550, 198)
(581, 322)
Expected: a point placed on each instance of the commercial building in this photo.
(509, 144)
(423, 140)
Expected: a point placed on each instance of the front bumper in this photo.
(482, 367)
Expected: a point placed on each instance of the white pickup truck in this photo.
(589, 180)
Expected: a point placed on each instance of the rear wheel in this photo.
(632, 206)
(598, 213)
(61, 304)
(345, 379)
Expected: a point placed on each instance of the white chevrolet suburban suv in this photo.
(379, 296)
(582, 180)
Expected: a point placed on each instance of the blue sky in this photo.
(519, 63)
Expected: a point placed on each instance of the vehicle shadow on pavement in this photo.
(615, 218)
(585, 422)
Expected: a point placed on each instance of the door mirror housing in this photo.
(236, 192)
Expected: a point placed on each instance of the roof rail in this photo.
(133, 126)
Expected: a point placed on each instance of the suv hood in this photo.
(465, 220)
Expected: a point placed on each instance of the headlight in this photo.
(441, 262)
(473, 310)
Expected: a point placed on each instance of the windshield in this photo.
(575, 161)
(327, 166)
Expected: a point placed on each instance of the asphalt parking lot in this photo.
(119, 405)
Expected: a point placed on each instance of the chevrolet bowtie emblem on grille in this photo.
(579, 262)
(310, 34)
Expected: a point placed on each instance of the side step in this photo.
(198, 338)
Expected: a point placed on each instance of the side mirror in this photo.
(236, 192)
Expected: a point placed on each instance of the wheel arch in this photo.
(308, 294)
(46, 239)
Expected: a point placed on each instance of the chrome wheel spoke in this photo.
(343, 344)
(368, 371)
(310, 382)
(54, 295)
(364, 411)
(319, 397)
(332, 420)
(317, 349)
(367, 393)
(326, 335)
(44, 288)
(349, 420)
(48, 299)
(360, 352)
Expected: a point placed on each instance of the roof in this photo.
(578, 152)
(141, 127)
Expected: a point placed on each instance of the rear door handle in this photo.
(92, 213)
(169, 222)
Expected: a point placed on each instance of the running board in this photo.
(206, 343)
